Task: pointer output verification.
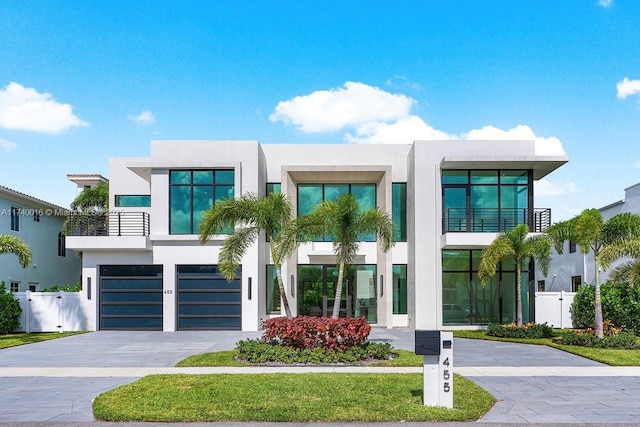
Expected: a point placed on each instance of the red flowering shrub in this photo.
(311, 332)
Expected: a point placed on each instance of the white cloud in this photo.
(628, 87)
(24, 108)
(544, 187)
(349, 106)
(7, 146)
(145, 118)
(543, 146)
(605, 3)
(405, 130)
(373, 116)
(402, 82)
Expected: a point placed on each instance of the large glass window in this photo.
(129, 201)
(273, 291)
(399, 210)
(486, 200)
(399, 289)
(311, 195)
(191, 193)
(466, 301)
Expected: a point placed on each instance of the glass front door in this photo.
(317, 291)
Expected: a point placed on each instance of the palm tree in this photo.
(591, 233)
(343, 220)
(93, 200)
(251, 214)
(630, 270)
(515, 245)
(14, 245)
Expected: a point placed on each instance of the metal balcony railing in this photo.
(108, 224)
(494, 220)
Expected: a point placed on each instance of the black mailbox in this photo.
(428, 343)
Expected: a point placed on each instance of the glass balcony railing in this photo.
(493, 220)
(108, 224)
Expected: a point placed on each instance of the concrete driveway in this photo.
(55, 381)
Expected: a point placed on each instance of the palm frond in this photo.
(618, 249)
(14, 245)
(234, 248)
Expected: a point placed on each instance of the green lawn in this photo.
(286, 397)
(613, 357)
(13, 340)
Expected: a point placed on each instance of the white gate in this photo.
(51, 311)
(554, 308)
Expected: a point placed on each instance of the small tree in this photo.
(10, 311)
(515, 245)
(251, 214)
(592, 233)
(343, 220)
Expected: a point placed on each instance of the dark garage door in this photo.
(131, 297)
(206, 300)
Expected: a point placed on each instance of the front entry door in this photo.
(317, 291)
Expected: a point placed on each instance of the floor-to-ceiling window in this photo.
(399, 210)
(466, 301)
(311, 195)
(486, 200)
(317, 291)
(399, 286)
(192, 192)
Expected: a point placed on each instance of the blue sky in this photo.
(81, 82)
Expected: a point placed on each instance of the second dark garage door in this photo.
(207, 300)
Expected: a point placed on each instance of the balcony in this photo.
(493, 220)
(109, 224)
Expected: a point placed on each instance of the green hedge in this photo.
(626, 340)
(257, 351)
(528, 330)
(620, 305)
(10, 311)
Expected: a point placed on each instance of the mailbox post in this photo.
(437, 350)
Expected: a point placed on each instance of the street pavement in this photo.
(54, 382)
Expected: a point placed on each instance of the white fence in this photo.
(51, 311)
(553, 308)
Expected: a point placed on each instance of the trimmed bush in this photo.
(626, 340)
(528, 330)
(10, 311)
(257, 351)
(620, 305)
(308, 332)
(66, 288)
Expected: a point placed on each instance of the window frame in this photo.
(15, 218)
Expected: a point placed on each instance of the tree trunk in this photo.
(338, 296)
(283, 295)
(597, 324)
(518, 292)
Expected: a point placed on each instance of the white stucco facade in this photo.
(419, 166)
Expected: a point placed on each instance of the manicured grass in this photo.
(286, 397)
(219, 358)
(609, 356)
(13, 340)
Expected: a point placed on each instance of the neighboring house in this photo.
(144, 267)
(573, 268)
(39, 224)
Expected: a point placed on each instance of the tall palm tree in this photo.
(345, 222)
(251, 214)
(629, 271)
(591, 233)
(14, 245)
(515, 245)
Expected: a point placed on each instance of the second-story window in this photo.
(15, 218)
(192, 192)
(62, 249)
(486, 200)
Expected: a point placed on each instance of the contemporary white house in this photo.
(144, 268)
(569, 270)
(39, 224)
